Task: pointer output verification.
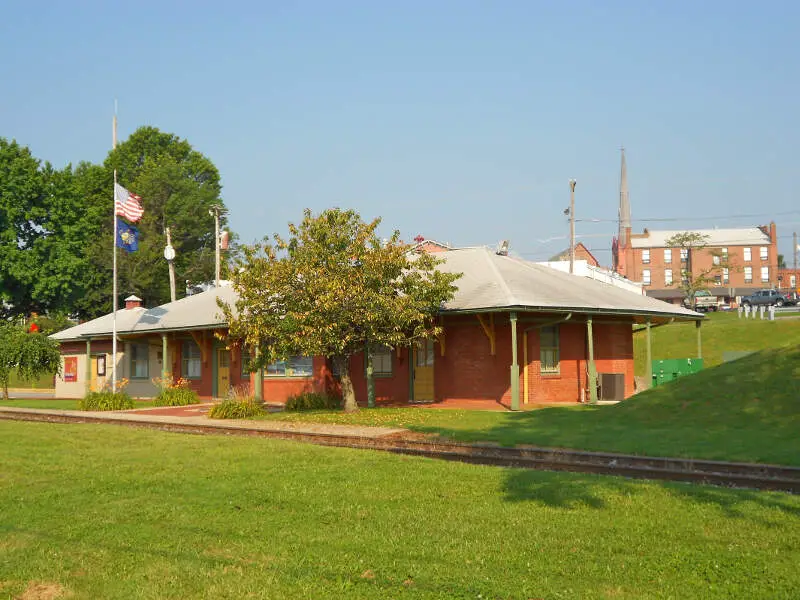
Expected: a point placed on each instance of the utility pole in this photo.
(169, 254)
(795, 249)
(572, 183)
(215, 211)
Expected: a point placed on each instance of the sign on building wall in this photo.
(70, 368)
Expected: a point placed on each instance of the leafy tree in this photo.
(693, 280)
(21, 212)
(781, 261)
(177, 185)
(29, 354)
(333, 288)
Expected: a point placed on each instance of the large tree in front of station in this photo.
(334, 288)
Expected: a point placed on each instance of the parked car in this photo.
(768, 298)
(704, 301)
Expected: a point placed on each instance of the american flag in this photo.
(127, 205)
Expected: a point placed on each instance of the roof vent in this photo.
(132, 302)
(502, 248)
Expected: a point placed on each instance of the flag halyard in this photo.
(127, 205)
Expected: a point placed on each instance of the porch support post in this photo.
(697, 325)
(258, 390)
(514, 364)
(164, 359)
(525, 383)
(592, 366)
(370, 377)
(648, 369)
(88, 365)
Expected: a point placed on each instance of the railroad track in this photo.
(741, 475)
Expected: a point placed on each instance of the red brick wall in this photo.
(277, 390)
(394, 389)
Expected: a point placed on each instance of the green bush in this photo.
(235, 408)
(313, 401)
(106, 400)
(176, 396)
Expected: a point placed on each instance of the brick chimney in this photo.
(132, 302)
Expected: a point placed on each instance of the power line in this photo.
(693, 218)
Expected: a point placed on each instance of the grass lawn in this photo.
(96, 511)
(57, 403)
(747, 410)
(721, 332)
(44, 382)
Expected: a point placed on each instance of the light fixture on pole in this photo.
(215, 210)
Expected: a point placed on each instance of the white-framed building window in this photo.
(748, 254)
(748, 274)
(764, 274)
(294, 366)
(549, 350)
(725, 254)
(667, 256)
(764, 253)
(381, 362)
(792, 281)
(725, 275)
(717, 279)
(646, 256)
(684, 254)
(140, 365)
(191, 360)
(715, 259)
(646, 276)
(668, 276)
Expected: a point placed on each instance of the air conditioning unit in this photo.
(612, 386)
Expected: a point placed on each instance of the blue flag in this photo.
(127, 236)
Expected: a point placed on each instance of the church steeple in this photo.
(624, 203)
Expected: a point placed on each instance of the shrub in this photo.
(106, 400)
(234, 408)
(175, 394)
(313, 401)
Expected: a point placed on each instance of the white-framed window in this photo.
(140, 368)
(717, 279)
(764, 251)
(646, 256)
(668, 276)
(381, 362)
(792, 281)
(748, 254)
(748, 274)
(725, 254)
(191, 360)
(646, 276)
(684, 254)
(549, 353)
(667, 256)
(294, 366)
(715, 259)
(764, 274)
(725, 275)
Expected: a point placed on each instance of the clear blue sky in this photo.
(458, 120)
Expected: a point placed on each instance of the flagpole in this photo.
(115, 301)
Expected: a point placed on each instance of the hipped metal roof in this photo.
(199, 311)
(494, 282)
(490, 282)
(741, 236)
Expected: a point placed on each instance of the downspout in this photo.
(526, 367)
(89, 365)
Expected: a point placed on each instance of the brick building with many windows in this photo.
(738, 261)
(751, 256)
